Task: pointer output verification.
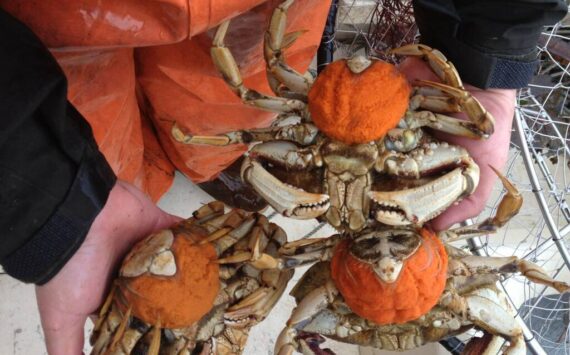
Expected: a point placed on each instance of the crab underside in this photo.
(196, 288)
(402, 176)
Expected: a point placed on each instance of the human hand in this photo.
(491, 152)
(80, 287)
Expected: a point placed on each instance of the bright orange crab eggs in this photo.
(417, 289)
(177, 300)
(358, 107)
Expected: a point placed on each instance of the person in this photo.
(67, 220)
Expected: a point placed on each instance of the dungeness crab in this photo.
(397, 288)
(196, 288)
(350, 146)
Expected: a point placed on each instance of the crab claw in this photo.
(309, 343)
(420, 204)
(285, 199)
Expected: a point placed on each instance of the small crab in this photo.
(351, 146)
(398, 288)
(197, 287)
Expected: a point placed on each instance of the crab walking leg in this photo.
(278, 72)
(443, 68)
(226, 64)
(482, 119)
(308, 251)
(512, 264)
(316, 301)
(509, 206)
(291, 255)
(256, 306)
(285, 154)
(206, 212)
(302, 133)
(492, 317)
(289, 201)
(104, 330)
(115, 332)
(433, 100)
(260, 233)
(120, 334)
(483, 122)
(455, 126)
(425, 160)
(252, 309)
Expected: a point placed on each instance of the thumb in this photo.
(166, 220)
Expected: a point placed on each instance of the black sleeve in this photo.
(53, 179)
(492, 43)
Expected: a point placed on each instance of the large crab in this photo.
(397, 288)
(197, 287)
(351, 160)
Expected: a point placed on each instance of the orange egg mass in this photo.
(417, 290)
(178, 300)
(358, 108)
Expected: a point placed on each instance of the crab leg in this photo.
(310, 306)
(285, 154)
(278, 72)
(443, 68)
(302, 133)
(424, 160)
(292, 255)
(251, 309)
(482, 119)
(258, 304)
(104, 329)
(438, 103)
(259, 233)
(289, 201)
(491, 316)
(508, 207)
(127, 333)
(226, 64)
(483, 122)
(512, 264)
(307, 251)
(418, 119)
(205, 213)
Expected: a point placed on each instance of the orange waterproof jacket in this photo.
(136, 67)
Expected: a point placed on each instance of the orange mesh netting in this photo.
(417, 290)
(109, 47)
